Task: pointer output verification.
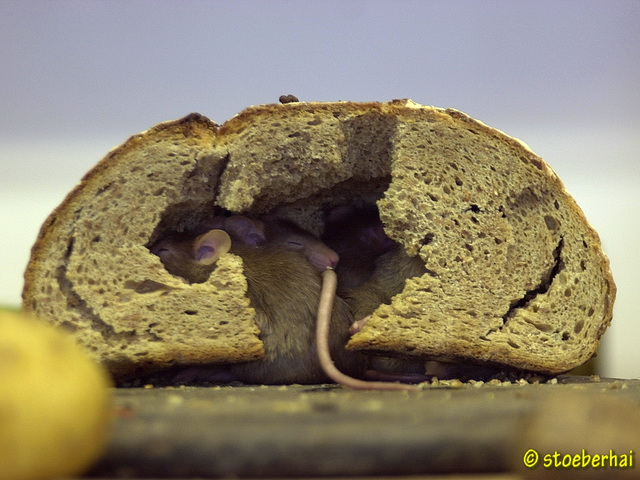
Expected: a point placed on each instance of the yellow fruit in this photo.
(54, 402)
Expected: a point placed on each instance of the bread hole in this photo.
(585, 244)
(552, 223)
(468, 247)
(512, 344)
(223, 322)
(565, 336)
(190, 312)
(446, 189)
(543, 327)
(474, 208)
(427, 239)
(590, 312)
(497, 240)
(68, 326)
(556, 205)
(567, 292)
(146, 286)
(578, 326)
(432, 197)
(583, 265)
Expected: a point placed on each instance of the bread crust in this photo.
(516, 276)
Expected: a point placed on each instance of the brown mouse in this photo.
(390, 273)
(275, 230)
(284, 289)
(323, 341)
(373, 269)
(284, 232)
(358, 237)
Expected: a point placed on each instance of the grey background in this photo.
(79, 77)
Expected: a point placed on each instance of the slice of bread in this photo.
(515, 274)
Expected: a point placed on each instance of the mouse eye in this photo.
(161, 251)
(294, 245)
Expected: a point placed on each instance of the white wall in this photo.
(78, 78)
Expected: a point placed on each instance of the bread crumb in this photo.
(615, 385)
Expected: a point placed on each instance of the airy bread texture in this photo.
(515, 274)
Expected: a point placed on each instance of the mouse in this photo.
(288, 234)
(276, 230)
(390, 273)
(357, 235)
(283, 288)
(373, 269)
(323, 337)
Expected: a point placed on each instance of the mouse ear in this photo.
(251, 232)
(210, 246)
(339, 213)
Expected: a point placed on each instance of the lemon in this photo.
(54, 401)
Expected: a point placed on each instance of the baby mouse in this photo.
(372, 270)
(284, 232)
(357, 235)
(323, 337)
(284, 290)
(275, 230)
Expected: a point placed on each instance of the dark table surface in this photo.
(326, 430)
